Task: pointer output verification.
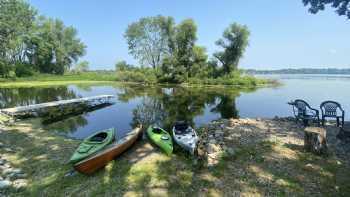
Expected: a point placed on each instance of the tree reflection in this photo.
(164, 105)
(11, 97)
(226, 107)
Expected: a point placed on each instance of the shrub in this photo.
(23, 70)
(136, 76)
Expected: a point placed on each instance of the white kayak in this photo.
(185, 136)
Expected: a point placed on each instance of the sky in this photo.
(283, 33)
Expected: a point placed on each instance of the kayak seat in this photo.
(181, 127)
(100, 137)
(178, 132)
(156, 130)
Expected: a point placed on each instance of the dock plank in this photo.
(34, 107)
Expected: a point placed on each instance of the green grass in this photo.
(86, 76)
(49, 80)
(265, 168)
(145, 77)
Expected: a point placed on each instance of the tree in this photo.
(148, 39)
(54, 47)
(342, 6)
(185, 38)
(185, 59)
(122, 66)
(199, 64)
(16, 21)
(82, 67)
(234, 43)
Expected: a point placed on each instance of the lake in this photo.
(163, 105)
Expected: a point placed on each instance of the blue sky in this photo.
(283, 33)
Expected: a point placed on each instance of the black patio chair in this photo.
(332, 109)
(304, 112)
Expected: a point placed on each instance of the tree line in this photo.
(30, 42)
(336, 71)
(169, 50)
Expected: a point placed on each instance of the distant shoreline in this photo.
(325, 71)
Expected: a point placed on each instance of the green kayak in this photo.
(93, 144)
(161, 138)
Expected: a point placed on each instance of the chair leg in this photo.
(337, 121)
(306, 122)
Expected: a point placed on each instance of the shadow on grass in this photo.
(262, 167)
(276, 168)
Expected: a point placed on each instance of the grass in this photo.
(126, 77)
(48, 80)
(261, 169)
(85, 76)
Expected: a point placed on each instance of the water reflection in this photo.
(164, 106)
(10, 97)
(135, 104)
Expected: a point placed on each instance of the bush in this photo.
(136, 76)
(23, 70)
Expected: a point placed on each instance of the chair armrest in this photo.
(291, 103)
(316, 110)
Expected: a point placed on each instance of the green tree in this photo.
(148, 39)
(186, 59)
(234, 43)
(199, 66)
(16, 21)
(81, 67)
(54, 47)
(341, 6)
(122, 66)
(185, 38)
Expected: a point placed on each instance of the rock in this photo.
(17, 175)
(2, 161)
(200, 152)
(212, 141)
(4, 184)
(218, 183)
(213, 148)
(9, 150)
(309, 166)
(12, 171)
(228, 138)
(20, 183)
(230, 151)
(212, 162)
(219, 133)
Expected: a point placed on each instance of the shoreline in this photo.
(18, 84)
(247, 156)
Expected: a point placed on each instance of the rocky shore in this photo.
(9, 175)
(225, 137)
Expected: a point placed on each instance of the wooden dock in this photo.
(38, 109)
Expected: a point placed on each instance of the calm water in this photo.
(164, 105)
